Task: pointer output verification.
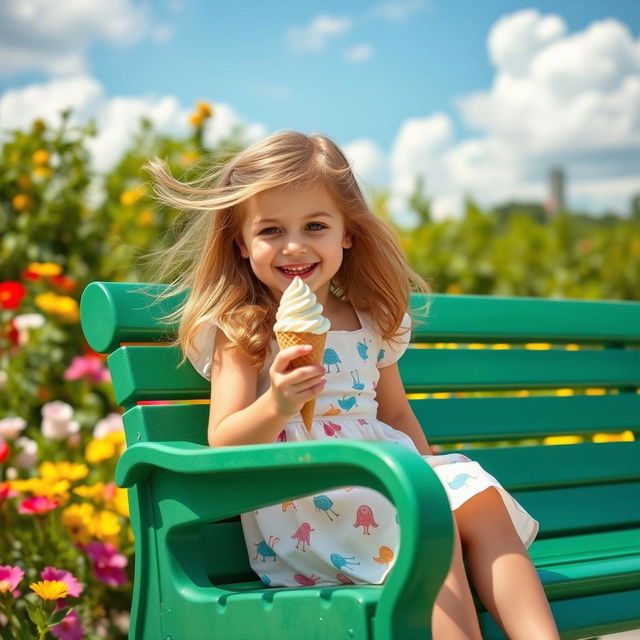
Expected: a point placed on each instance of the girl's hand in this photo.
(291, 388)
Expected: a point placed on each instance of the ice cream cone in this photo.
(316, 340)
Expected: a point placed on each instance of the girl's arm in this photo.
(236, 416)
(394, 408)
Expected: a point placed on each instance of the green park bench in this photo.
(566, 369)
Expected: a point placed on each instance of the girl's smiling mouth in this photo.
(300, 270)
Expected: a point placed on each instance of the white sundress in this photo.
(348, 535)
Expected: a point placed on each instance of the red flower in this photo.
(11, 294)
(37, 504)
(4, 451)
(63, 282)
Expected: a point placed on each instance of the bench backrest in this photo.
(554, 368)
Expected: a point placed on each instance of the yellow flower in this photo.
(120, 502)
(189, 157)
(50, 589)
(105, 527)
(93, 491)
(99, 450)
(24, 182)
(45, 268)
(42, 172)
(78, 519)
(454, 289)
(63, 471)
(196, 119)
(555, 440)
(63, 306)
(131, 196)
(105, 448)
(146, 217)
(204, 109)
(21, 202)
(41, 158)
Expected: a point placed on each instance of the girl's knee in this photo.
(484, 514)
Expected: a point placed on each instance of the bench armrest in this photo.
(250, 477)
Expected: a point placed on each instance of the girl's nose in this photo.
(293, 247)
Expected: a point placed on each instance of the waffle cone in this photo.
(316, 340)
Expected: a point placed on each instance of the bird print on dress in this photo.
(357, 385)
(331, 428)
(363, 349)
(339, 561)
(347, 403)
(385, 555)
(303, 535)
(266, 550)
(332, 411)
(287, 504)
(380, 355)
(304, 581)
(365, 519)
(325, 503)
(329, 358)
(460, 481)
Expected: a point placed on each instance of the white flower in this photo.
(28, 456)
(25, 322)
(3, 379)
(28, 321)
(57, 422)
(110, 424)
(10, 428)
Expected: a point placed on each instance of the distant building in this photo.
(556, 199)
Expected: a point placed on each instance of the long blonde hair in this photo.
(374, 276)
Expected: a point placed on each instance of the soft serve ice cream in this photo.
(299, 320)
(299, 310)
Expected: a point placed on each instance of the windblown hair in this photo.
(219, 284)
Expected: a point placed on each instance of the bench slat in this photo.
(436, 370)
(513, 418)
(150, 373)
(565, 511)
(526, 468)
(118, 315)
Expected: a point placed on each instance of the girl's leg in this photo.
(501, 570)
(454, 614)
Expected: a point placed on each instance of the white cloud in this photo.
(359, 53)
(556, 99)
(314, 37)
(54, 36)
(367, 161)
(117, 118)
(398, 10)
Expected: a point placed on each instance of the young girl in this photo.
(286, 207)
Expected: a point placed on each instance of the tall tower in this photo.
(556, 201)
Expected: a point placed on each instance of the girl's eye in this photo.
(319, 226)
(268, 230)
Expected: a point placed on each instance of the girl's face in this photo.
(294, 232)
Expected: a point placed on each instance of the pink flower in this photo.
(57, 420)
(10, 428)
(112, 423)
(37, 504)
(9, 579)
(87, 367)
(74, 588)
(6, 491)
(69, 629)
(108, 564)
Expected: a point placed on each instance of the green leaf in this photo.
(37, 615)
(59, 616)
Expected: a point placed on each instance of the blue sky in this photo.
(408, 87)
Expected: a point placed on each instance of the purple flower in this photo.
(108, 564)
(74, 588)
(69, 629)
(9, 579)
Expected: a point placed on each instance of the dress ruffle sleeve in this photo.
(202, 351)
(390, 351)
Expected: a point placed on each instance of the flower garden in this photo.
(66, 550)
